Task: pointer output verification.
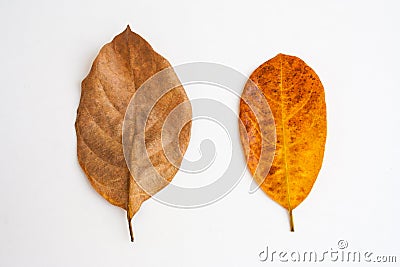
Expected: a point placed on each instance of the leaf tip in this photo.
(281, 55)
(128, 28)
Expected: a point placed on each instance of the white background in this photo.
(50, 215)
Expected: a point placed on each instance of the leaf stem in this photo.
(130, 228)
(291, 221)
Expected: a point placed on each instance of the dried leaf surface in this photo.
(119, 69)
(296, 97)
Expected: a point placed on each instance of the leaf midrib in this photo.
(283, 120)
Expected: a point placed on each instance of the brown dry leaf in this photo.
(118, 71)
(297, 100)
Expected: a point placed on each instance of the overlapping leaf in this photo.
(120, 68)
